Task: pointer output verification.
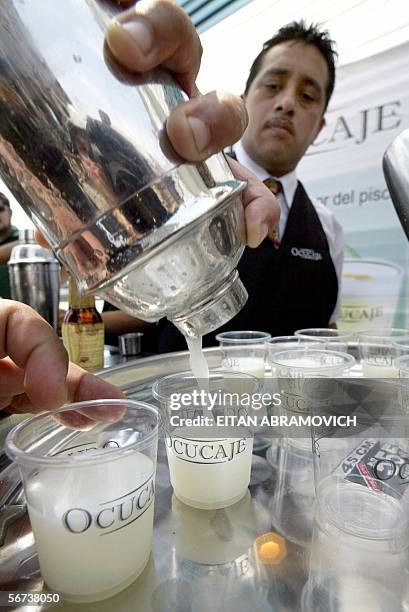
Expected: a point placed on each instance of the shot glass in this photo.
(130, 344)
(334, 339)
(359, 556)
(209, 452)
(377, 351)
(244, 351)
(90, 493)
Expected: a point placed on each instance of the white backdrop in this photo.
(343, 168)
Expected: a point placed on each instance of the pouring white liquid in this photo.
(210, 470)
(198, 363)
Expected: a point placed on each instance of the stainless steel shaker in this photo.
(396, 171)
(34, 274)
(84, 150)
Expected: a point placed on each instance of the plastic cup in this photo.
(90, 494)
(293, 367)
(293, 497)
(359, 556)
(377, 351)
(370, 292)
(209, 460)
(275, 345)
(244, 351)
(334, 339)
(285, 343)
(365, 421)
(401, 365)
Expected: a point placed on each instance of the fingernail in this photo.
(201, 133)
(74, 420)
(137, 32)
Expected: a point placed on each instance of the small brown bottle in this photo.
(83, 330)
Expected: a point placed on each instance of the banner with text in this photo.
(343, 169)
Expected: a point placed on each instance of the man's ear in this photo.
(321, 125)
(319, 128)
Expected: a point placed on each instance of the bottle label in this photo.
(84, 344)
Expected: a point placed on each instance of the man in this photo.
(198, 128)
(8, 239)
(293, 277)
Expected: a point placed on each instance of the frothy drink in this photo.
(79, 523)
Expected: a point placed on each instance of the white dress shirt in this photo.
(332, 228)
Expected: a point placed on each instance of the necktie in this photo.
(275, 187)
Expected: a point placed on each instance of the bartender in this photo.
(293, 276)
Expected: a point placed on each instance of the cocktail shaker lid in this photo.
(27, 236)
(29, 251)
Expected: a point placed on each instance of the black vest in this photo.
(289, 288)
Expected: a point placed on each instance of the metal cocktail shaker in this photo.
(396, 171)
(35, 277)
(84, 150)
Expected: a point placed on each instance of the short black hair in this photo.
(4, 201)
(299, 31)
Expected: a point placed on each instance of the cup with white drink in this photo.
(244, 351)
(377, 351)
(370, 294)
(208, 442)
(276, 344)
(88, 471)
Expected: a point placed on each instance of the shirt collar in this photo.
(288, 181)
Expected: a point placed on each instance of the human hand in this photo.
(35, 374)
(159, 32)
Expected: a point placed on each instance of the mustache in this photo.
(280, 122)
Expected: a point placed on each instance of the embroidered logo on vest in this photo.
(306, 254)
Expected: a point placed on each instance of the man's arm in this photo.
(117, 322)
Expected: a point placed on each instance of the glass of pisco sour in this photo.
(88, 471)
(244, 351)
(208, 439)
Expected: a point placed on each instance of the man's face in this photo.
(5, 216)
(285, 104)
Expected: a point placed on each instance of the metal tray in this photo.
(202, 561)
